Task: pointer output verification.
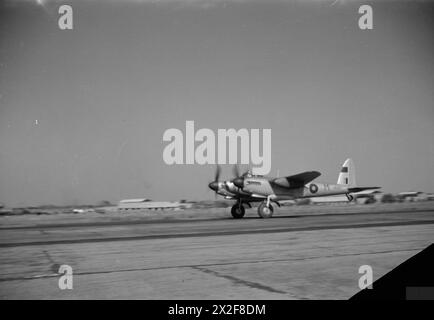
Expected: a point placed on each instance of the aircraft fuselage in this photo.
(261, 186)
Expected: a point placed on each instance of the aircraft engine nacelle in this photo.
(239, 182)
(230, 186)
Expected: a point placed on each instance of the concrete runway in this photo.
(291, 256)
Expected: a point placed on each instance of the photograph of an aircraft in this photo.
(198, 154)
(246, 188)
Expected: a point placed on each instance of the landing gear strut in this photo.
(350, 197)
(238, 210)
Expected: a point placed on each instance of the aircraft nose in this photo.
(239, 182)
(214, 185)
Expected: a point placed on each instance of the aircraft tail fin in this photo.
(347, 176)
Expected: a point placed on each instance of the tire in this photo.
(238, 211)
(264, 211)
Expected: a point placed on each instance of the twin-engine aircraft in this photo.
(247, 188)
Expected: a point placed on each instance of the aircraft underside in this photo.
(265, 209)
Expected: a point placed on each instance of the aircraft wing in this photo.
(297, 180)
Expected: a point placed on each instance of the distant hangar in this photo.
(148, 204)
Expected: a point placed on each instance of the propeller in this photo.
(236, 171)
(238, 181)
(214, 185)
(217, 173)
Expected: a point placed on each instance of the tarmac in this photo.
(310, 252)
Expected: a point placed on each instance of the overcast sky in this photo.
(83, 111)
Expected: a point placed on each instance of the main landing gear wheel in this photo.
(350, 197)
(264, 211)
(238, 211)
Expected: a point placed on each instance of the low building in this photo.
(415, 196)
(368, 196)
(148, 204)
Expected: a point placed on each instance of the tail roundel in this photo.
(347, 176)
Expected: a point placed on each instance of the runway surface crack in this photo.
(54, 267)
(238, 281)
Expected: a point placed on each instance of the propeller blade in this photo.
(214, 185)
(217, 173)
(236, 171)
